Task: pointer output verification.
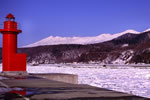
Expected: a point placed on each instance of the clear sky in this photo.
(66, 18)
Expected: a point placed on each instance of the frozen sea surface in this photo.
(121, 78)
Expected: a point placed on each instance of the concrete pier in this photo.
(37, 88)
(67, 78)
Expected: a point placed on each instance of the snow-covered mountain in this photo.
(51, 40)
(125, 49)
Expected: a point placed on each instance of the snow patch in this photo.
(125, 45)
(124, 58)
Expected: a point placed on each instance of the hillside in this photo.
(125, 49)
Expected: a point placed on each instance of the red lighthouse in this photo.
(12, 61)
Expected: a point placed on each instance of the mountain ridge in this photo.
(78, 40)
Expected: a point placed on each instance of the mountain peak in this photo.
(147, 30)
(130, 31)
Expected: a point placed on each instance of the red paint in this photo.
(12, 61)
(19, 92)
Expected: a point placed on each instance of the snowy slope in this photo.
(79, 40)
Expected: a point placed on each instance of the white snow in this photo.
(125, 45)
(147, 30)
(51, 40)
(124, 58)
(121, 78)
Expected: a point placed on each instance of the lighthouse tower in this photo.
(13, 63)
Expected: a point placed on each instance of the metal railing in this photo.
(18, 26)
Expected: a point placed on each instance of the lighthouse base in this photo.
(14, 73)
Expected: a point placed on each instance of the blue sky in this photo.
(41, 18)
